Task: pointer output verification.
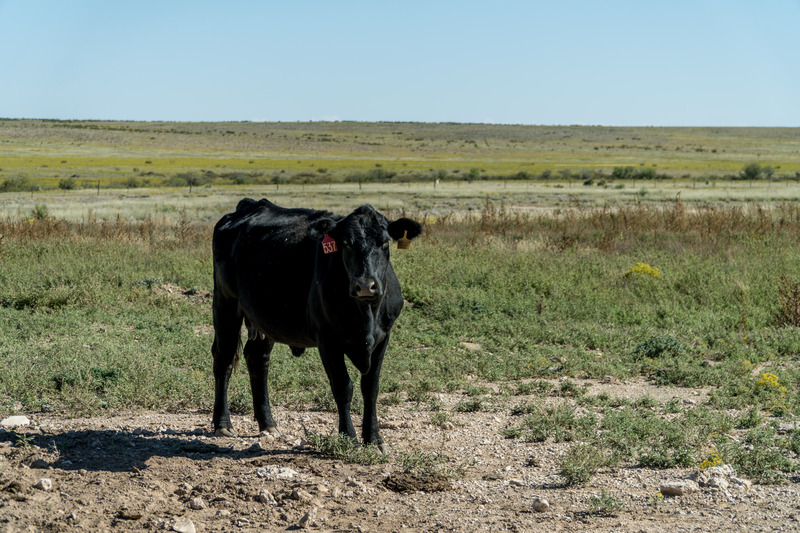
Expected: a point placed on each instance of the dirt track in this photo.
(152, 471)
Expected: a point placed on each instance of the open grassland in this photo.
(429, 200)
(103, 313)
(539, 269)
(132, 154)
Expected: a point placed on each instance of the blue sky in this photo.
(677, 63)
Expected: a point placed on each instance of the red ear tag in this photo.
(328, 244)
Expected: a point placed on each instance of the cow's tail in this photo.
(237, 355)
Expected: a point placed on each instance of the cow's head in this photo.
(362, 242)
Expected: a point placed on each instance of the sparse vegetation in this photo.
(342, 447)
(93, 299)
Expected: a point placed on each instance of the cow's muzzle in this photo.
(365, 288)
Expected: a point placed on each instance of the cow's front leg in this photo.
(369, 390)
(256, 353)
(341, 386)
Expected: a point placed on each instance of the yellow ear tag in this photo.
(403, 243)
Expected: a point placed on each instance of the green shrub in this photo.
(659, 346)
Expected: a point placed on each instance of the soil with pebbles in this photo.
(166, 472)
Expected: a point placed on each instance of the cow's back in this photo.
(264, 260)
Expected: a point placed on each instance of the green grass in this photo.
(105, 314)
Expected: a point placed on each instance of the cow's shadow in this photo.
(122, 451)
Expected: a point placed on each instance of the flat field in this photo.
(124, 154)
(579, 343)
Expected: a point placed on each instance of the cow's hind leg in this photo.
(256, 353)
(227, 333)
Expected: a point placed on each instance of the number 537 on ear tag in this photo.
(328, 244)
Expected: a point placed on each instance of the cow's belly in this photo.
(283, 323)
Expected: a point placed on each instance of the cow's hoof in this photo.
(270, 431)
(381, 448)
(225, 432)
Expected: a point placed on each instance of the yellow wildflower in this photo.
(643, 269)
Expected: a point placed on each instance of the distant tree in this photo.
(67, 184)
(16, 184)
(646, 174)
(623, 173)
(751, 171)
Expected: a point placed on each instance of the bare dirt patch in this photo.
(158, 471)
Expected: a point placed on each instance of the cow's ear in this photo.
(404, 227)
(318, 228)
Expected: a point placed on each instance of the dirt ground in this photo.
(166, 472)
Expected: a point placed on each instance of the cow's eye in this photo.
(385, 245)
(346, 243)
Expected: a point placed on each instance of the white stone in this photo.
(277, 472)
(15, 421)
(678, 488)
(44, 484)
(197, 504)
(717, 482)
(540, 505)
(184, 525)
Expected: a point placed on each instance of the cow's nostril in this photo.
(365, 287)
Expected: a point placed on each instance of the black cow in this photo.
(304, 278)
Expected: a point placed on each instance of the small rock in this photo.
(723, 470)
(301, 495)
(516, 482)
(197, 504)
(184, 525)
(309, 519)
(718, 482)
(678, 488)
(223, 512)
(44, 484)
(447, 426)
(255, 448)
(741, 484)
(277, 472)
(540, 505)
(183, 489)
(40, 463)
(127, 514)
(336, 493)
(15, 421)
(265, 496)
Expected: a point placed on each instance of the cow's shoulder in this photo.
(263, 223)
